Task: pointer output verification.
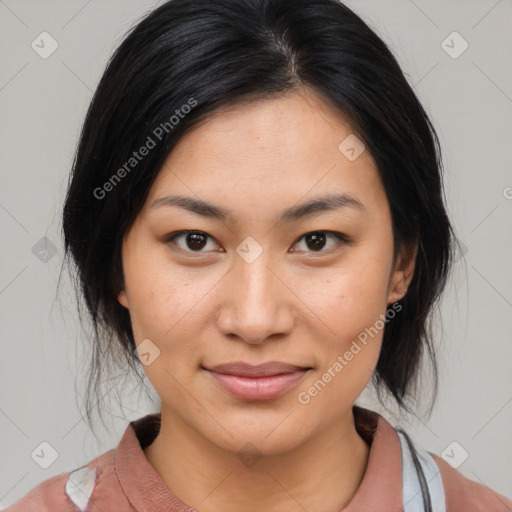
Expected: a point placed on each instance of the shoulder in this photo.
(72, 491)
(449, 489)
(462, 493)
(46, 496)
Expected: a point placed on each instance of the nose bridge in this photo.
(252, 265)
(256, 282)
(255, 304)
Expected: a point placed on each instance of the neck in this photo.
(321, 474)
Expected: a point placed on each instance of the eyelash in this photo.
(342, 239)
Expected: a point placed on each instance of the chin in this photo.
(264, 433)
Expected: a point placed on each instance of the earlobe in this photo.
(122, 299)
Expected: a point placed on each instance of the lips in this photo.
(271, 368)
(257, 382)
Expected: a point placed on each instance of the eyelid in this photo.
(170, 239)
(342, 239)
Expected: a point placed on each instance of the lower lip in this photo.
(258, 388)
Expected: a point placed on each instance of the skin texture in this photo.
(294, 303)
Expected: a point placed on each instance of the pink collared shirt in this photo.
(123, 480)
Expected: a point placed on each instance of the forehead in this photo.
(266, 152)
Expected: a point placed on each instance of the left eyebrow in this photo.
(328, 202)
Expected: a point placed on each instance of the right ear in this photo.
(123, 300)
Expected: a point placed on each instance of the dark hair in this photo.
(189, 58)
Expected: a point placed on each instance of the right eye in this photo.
(190, 241)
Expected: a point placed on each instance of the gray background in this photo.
(43, 103)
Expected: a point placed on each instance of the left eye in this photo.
(316, 241)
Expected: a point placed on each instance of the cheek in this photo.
(353, 308)
(350, 298)
(170, 306)
(166, 308)
(163, 296)
(351, 301)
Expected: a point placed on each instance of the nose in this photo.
(255, 302)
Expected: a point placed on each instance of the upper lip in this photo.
(243, 369)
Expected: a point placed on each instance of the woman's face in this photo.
(266, 280)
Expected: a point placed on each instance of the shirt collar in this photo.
(380, 489)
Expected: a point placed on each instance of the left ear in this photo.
(403, 273)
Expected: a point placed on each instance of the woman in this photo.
(256, 215)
